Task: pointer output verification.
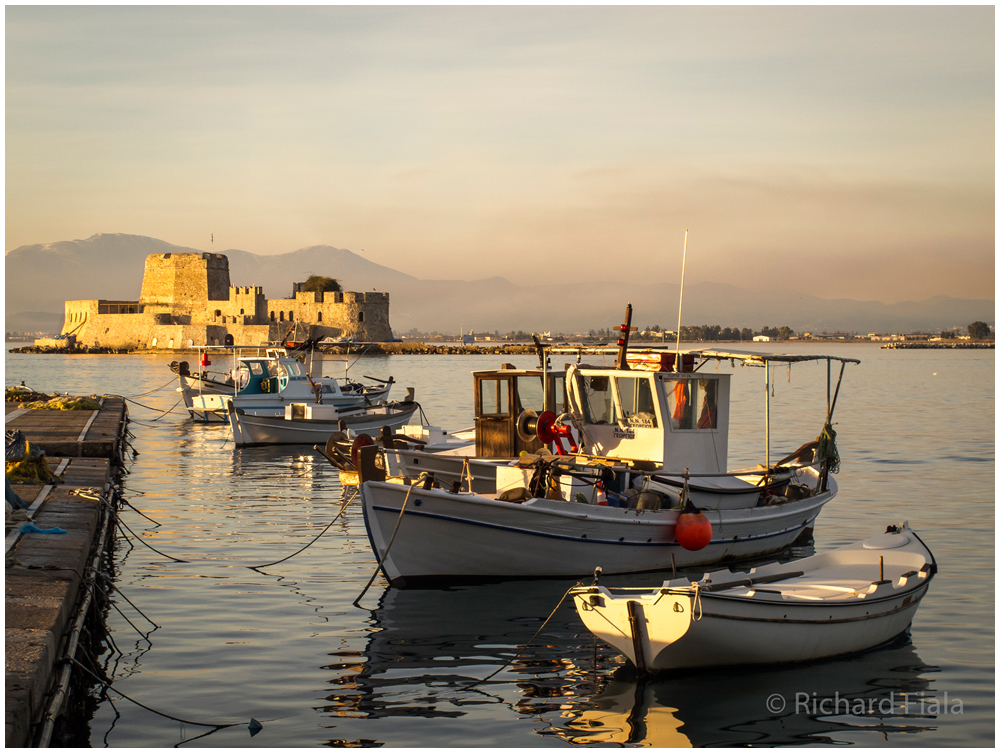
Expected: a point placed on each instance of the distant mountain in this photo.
(39, 278)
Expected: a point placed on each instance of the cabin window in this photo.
(598, 404)
(636, 398)
(256, 368)
(529, 394)
(692, 403)
(494, 397)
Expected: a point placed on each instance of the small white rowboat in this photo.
(841, 602)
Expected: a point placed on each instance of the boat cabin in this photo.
(674, 417)
(501, 396)
(681, 418)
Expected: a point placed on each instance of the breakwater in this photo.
(59, 539)
(924, 345)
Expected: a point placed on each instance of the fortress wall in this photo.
(363, 316)
(185, 281)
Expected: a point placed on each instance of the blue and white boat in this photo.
(263, 385)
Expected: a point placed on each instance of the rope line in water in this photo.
(120, 525)
(525, 646)
(380, 560)
(341, 512)
(107, 684)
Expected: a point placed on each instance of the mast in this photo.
(680, 306)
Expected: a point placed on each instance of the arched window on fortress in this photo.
(272, 316)
(218, 313)
(281, 316)
(291, 316)
(241, 312)
(361, 316)
(319, 316)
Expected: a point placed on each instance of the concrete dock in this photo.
(50, 593)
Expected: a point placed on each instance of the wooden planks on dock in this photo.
(70, 433)
(43, 574)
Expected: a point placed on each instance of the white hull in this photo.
(251, 429)
(445, 535)
(837, 603)
(212, 408)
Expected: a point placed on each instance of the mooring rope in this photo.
(380, 560)
(341, 512)
(530, 641)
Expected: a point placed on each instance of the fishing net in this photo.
(65, 402)
(827, 448)
(25, 463)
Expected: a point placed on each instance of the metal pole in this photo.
(767, 414)
(680, 306)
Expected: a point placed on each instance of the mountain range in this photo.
(39, 278)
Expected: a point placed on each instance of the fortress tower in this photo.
(185, 283)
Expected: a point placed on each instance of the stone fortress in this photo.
(187, 300)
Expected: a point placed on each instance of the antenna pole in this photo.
(680, 306)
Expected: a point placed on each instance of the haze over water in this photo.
(284, 645)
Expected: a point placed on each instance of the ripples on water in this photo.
(284, 644)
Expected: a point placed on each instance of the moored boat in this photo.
(641, 464)
(309, 423)
(263, 385)
(840, 602)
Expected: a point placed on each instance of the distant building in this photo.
(761, 339)
(187, 300)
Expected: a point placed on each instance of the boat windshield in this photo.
(598, 402)
(636, 398)
(692, 403)
(284, 368)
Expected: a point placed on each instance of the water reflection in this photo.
(805, 705)
(429, 648)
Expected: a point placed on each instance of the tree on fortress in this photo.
(979, 331)
(319, 284)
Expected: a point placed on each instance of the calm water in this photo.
(283, 644)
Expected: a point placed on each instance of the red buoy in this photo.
(693, 530)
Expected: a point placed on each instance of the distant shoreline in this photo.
(421, 349)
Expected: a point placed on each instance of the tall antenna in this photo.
(680, 306)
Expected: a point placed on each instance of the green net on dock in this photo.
(64, 402)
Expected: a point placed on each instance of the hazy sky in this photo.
(847, 151)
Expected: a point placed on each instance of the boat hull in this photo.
(212, 408)
(249, 429)
(851, 608)
(446, 536)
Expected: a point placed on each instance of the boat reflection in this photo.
(429, 651)
(815, 704)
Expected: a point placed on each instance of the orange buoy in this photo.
(693, 530)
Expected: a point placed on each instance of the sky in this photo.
(846, 151)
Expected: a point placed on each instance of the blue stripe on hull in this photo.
(578, 539)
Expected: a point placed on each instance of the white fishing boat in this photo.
(263, 385)
(309, 423)
(629, 444)
(839, 602)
